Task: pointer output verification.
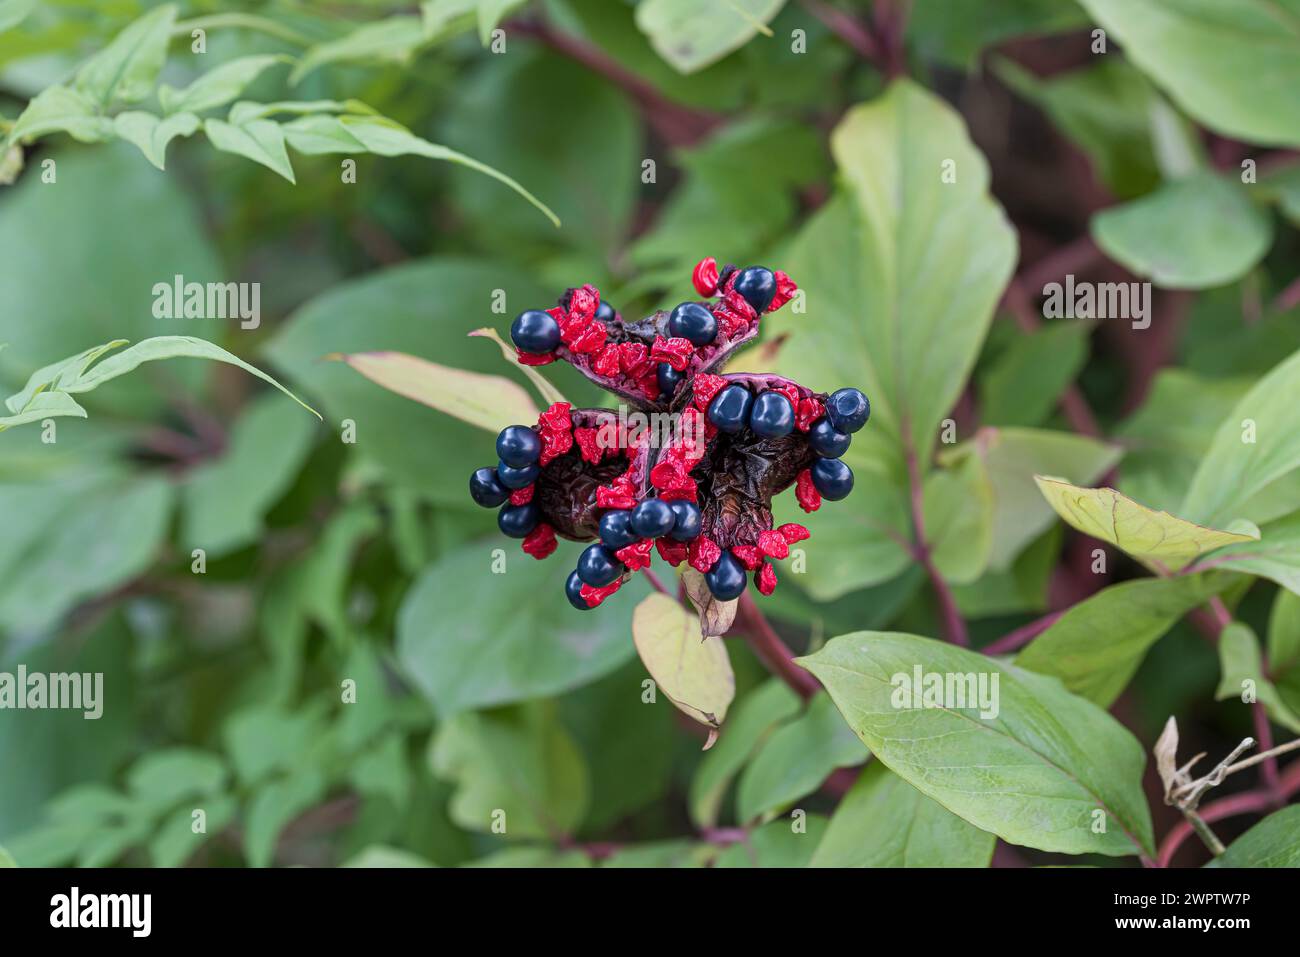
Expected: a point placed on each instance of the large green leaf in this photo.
(1273, 842)
(1241, 462)
(1026, 381)
(1048, 770)
(1193, 233)
(1157, 539)
(75, 228)
(692, 671)
(956, 31)
(885, 822)
(691, 35)
(1275, 556)
(1284, 647)
(464, 642)
(519, 761)
(1232, 64)
(900, 285)
(796, 759)
(1096, 646)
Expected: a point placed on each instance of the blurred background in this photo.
(329, 561)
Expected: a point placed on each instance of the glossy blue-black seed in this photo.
(669, 378)
(518, 520)
(687, 523)
(605, 312)
(848, 410)
(693, 321)
(517, 478)
(832, 478)
(757, 285)
(652, 518)
(518, 446)
(729, 410)
(772, 416)
(486, 489)
(726, 580)
(598, 566)
(616, 529)
(826, 440)
(573, 592)
(535, 332)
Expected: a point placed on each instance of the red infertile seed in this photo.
(529, 359)
(704, 554)
(794, 532)
(594, 596)
(785, 290)
(591, 339)
(633, 358)
(807, 412)
(676, 351)
(749, 556)
(540, 542)
(671, 550)
(773, 544)
(806, 493)
(705, 276)
(522, 496)
(607, 497)
(607, 361)
(589, 445)
(637, 555)
(705, 387)
(767, 579)
(583, 302)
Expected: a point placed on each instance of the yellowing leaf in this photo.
(547, 391)
(1157, 539)
(693, 671)
(487, 401)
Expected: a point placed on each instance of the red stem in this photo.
(1022, 636)
(1248, 802)
(771, 650)
(954, 626)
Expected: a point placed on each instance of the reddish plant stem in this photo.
(1022, 636)
(954, 626)
(771, 650)
(678, 125)
(655, 583)
(1248, 802)
(1269, 768)
(891, 25)
(1288, 298)
(848, 28)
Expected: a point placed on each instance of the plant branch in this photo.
(954, 626)
(848, 28)
(1014, 640)
(1248, 802)
(1268, 754)
(771, 650)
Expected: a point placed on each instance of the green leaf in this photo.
(1231, 64)
(900, 286)
(104, 538)
(1193, 233)
(162, 779)
(217, 87)
(273, 807)
(519, 761)
(6, 859)
(757, 715)
(1159, 540)
(464, 644)
(61, 109)
(42, 406)
(390, 40)
(152, 134)
(486, 401)
(692, 671)
(1284, 647)
(1275, 556)
(262, 141)
(885, 822)
(692, 35)
(1273, 842)
(1095, 648)
(958, 506)
(12, 13)
(1240, 462)
(125, 70)
(263, 739)
(1011, 458)
(956, 31)
(1033, 774)
(777, 844)
(1242, 675)
(1025, 383)
(224, 501)
(796, 759)
(175, 841)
